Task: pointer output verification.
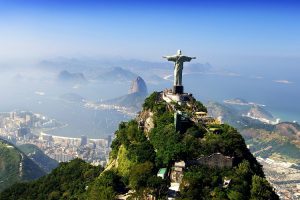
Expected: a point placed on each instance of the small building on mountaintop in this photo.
(176, 174)
(214, 160)
(162, 173)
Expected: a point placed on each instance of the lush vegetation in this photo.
(136, 161)
(136, 158)
(201, 182)
(68, 181)
(38, 156)
(171, 146)
(9, 165)
(10, 171)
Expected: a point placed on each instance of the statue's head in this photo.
(179, 52)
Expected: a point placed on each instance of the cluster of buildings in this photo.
(103, 106)
(263, 120)
(175, 173)
(22, 123)
(284, 176)
(29, 128)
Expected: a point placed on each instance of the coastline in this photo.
(286, 116)
(69, 138)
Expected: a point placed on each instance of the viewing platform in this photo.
(169, 97)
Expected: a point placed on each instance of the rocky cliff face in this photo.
(138, 86)
(134, 100)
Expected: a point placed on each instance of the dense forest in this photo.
(15, 166)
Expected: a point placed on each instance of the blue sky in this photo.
(231, 32)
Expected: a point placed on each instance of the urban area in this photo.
(23, 127)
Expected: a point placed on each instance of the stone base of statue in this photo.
(169, 97)
(177, 89)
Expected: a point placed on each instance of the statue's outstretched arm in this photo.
(187, 58)
(170, 58)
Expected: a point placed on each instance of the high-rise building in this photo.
(83, 140)
(27, 118)
(23, 131)
(13, 115)
(109, 140)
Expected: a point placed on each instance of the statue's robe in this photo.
(178, 67)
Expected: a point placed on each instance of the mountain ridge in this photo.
(43, 161)
(16, 166)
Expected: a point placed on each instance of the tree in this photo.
(261, 189)
(102, 193)
(167, 143)
(55, 195)
(140, 174)
(158, 186)
(151, 101)
(234, 195)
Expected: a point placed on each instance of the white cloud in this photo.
(283, 81)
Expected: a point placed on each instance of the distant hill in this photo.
(117, 74)
(235, 116)
(282, 139)
(259, 112)
(66, 76)
(138, 86)
(96, 68)
(15, 166)
(291, 130)
(237, 101)
(281, 144)
(133, 101)
(38, 156)
(229, 114)
(137, 94)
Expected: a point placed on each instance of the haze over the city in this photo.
(252, 48)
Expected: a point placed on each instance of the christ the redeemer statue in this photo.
(179, 59)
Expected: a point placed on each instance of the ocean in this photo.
(80, 120)
(281, 96)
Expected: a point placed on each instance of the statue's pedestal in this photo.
(177, 89)
(169, 96)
